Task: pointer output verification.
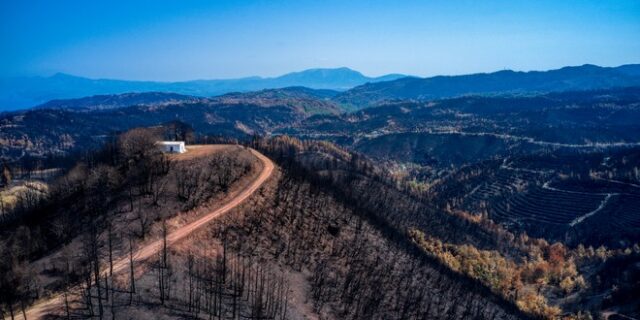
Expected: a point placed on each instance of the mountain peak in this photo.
(325, 72)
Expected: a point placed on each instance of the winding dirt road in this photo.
(39, 310)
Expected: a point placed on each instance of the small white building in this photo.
(172, 146)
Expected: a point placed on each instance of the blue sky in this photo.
(180, 40)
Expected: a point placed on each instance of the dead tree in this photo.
(132, 279)
(164, 272)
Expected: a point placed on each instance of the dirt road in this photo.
(40, 309)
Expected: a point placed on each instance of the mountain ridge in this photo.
(24, 92)
(114, 101)
(302, 98)
(584, 77)
(358, 90)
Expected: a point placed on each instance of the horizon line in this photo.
(262, 77)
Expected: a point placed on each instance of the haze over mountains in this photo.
(585, 77)
(334, 160)
(524, 203)
(25, 92)
(358, 90)
(113, 101)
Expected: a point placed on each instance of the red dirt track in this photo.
(39, 310)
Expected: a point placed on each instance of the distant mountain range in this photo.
(585, 77)
(303, 99)
(114, 101)
(349, 89)
(26, 92)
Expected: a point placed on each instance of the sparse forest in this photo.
(109, 200)
(409, 210)
(332, 234)
(221, 160)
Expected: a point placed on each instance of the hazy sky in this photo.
(178, 40)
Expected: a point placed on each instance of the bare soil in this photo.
(181, 226)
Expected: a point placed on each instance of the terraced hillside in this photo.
(540, 205)
(624, 213)
(544, 200)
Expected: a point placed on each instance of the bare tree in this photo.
(132, 278)
(164, 268)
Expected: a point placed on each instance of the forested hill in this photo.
(438, 133)
(347, 237)
(303, 246)
(114, 101)
(65, 126)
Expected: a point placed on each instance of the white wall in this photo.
(177, 147)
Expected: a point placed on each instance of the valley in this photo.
(291, 204)
(320, 160)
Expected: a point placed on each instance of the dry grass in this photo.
(10, 196)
